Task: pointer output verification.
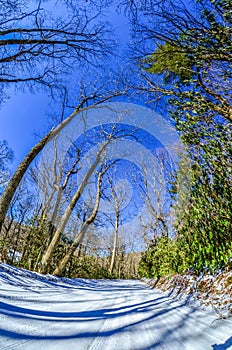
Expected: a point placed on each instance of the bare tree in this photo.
(85, 225)
(8, 194)
(115, 199)
(109, 137)
(56, 185)
(155, 190)
(41, 41)
(14, 228)
(114, 194)
(6, 157)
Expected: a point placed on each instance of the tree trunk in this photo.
(64, 220)
(24, 165)
(61, 266)
(17, 177)
(113, 257)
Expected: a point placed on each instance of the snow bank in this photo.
(209, 290)
(18, 276)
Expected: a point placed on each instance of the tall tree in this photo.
(115, 197)
(96, 98)
(85, 225)
(190, 53)
(42, 41)
(108, 137)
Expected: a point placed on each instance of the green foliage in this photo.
(195, 61)
(34, 242)
(205, 224)
(35, 239)
(165, 256)
(171, 61)
(86, 267)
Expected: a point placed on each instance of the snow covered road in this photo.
(49, 313)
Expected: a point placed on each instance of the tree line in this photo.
(180, 63)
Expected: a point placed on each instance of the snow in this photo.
(209, 290)
(46, 312)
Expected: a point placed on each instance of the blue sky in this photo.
(24, 114)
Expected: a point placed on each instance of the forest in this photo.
(132, 177)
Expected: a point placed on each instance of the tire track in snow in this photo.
(107, 325)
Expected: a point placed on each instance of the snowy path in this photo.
(100, 315)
